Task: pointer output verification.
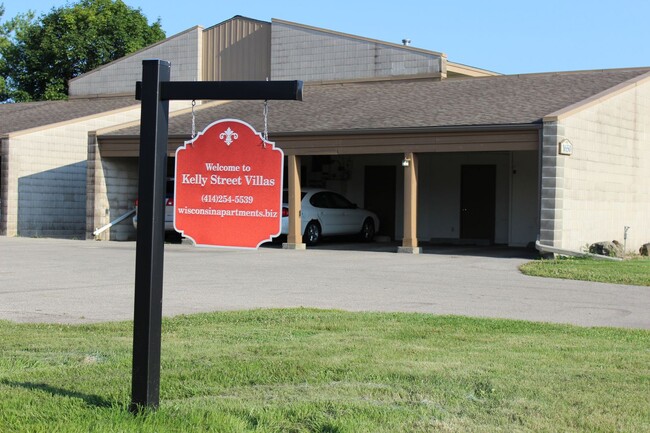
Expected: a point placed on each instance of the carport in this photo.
(455, 160)
(410, 172)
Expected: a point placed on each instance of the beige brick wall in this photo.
(552, 186)
(46, 177)
(119, 77)
(112, 191)
(300, 53)
(606, 182)
(122, 186)
(5, 189)
(97, 206)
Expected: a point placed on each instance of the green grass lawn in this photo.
(633, 271)
(304, 370)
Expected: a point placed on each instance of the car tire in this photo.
(312, 233)
(367, 230)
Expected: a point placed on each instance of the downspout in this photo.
(545, 249)
(540, 152)
(112, 223)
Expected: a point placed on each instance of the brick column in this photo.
(8, 191)
(97, 205)
(552, 188)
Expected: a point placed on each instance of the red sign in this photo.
(228, 188)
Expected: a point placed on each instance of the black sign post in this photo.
(155, 92)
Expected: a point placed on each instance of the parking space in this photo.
(48, 280)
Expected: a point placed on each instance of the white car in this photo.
(328, 213)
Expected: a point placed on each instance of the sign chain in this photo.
(193, 119)
(266, 122)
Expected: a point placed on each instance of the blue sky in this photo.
(506, 36)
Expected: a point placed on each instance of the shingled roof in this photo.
(28, 115)
(381, 105)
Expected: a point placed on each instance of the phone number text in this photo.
(222, 198)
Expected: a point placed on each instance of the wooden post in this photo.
(294, 237)
(410, 239)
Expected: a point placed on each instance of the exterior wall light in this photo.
(565, 147)
(406, 162)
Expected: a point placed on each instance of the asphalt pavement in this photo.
(72, 281)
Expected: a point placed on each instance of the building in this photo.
(441, 151)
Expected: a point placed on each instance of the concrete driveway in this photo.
(65, 281)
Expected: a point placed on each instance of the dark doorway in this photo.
(379, 196)
(477, 202)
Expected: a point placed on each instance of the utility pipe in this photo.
(112, 223)
(549, 249)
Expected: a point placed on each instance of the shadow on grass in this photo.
(90, 400)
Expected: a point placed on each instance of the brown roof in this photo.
(380, 105)
(28, 115)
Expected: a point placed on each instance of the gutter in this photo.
(362, 131)
(415, 130)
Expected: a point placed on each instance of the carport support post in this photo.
(410, 239)
(145, 385)
(294, 237)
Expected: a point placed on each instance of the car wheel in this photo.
(312, 233)
(368, 230)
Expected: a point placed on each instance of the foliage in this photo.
(3, 43)
(634, 271)
(39, 56)
(10, 30)
(306, 370)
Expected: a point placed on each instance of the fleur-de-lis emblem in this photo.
(228, 136)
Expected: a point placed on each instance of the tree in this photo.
(3, 42)
(39, 56)
(15, 26)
